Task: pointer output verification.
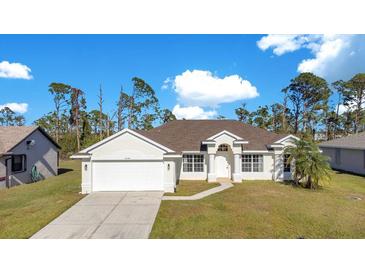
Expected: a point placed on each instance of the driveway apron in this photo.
(106, 215)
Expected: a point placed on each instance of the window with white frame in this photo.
(193, 162)
(252, 163)
(223, 147)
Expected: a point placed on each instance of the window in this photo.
(18, 163)
(338, 156)
(257, 163)
(198, 163)
(223, 147)
(246, 163)
(252, 163)
(286, 163)
(193, 163)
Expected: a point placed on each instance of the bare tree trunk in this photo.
(101, 113)
(77, 129)
(284, 113)
(107, 126)
(130, 112)
(57, 122)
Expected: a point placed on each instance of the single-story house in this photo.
(137, 160)
(24, 149)
(347, 153)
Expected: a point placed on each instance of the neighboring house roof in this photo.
(356, 141)
(187, 135)
(11, 136)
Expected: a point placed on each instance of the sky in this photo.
(195, 76)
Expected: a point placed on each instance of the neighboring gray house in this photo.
(347, 153)
(21, 149)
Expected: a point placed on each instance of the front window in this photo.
(252, 163)
(193, 163)
(18, 163)
(287, 165)
(223, 147)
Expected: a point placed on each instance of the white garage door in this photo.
(127, 176)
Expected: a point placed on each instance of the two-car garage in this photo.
(127, 161)
(127, 175)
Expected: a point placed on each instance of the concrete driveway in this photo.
(106, 215)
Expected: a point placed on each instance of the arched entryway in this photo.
(224, 161)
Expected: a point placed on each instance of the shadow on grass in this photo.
(288, 183)
(64, 170)
(338, 171)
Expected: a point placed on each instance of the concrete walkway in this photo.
(106, 215)
(200, 195)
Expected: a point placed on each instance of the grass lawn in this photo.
(187, 188)
(26, 209)
(265, 209)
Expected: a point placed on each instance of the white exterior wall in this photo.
(123, 162)
(86, 171)
(169, 176)
(268, 172)
(127, 146)
(352, 160)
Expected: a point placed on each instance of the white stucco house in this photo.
(136, 160)
(346, 153)
(23, 148)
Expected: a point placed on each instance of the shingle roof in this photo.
(356, 141)
(10, 136)
(187, 135)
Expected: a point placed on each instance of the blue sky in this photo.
(265, 63)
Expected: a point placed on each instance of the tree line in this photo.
(74, 126)
(306, 109)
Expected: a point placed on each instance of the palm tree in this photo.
(311, 167)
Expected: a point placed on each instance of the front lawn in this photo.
(187, 188)
(26, 209)
(265, 209)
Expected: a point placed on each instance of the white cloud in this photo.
(16, 107)
(203, 88)
(14, 70)
(166, 84)
(192, 112)
(334, 56)
(281, 43)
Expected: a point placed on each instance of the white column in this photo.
(237, 175)
(211, 168)
(278, 165)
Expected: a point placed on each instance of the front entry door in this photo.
(222, 165)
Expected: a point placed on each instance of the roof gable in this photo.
(224, 132)
(11, 136)
(87, 151)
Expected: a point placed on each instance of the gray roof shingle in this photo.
(10, 136)
(187, 135)
(356, 141)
